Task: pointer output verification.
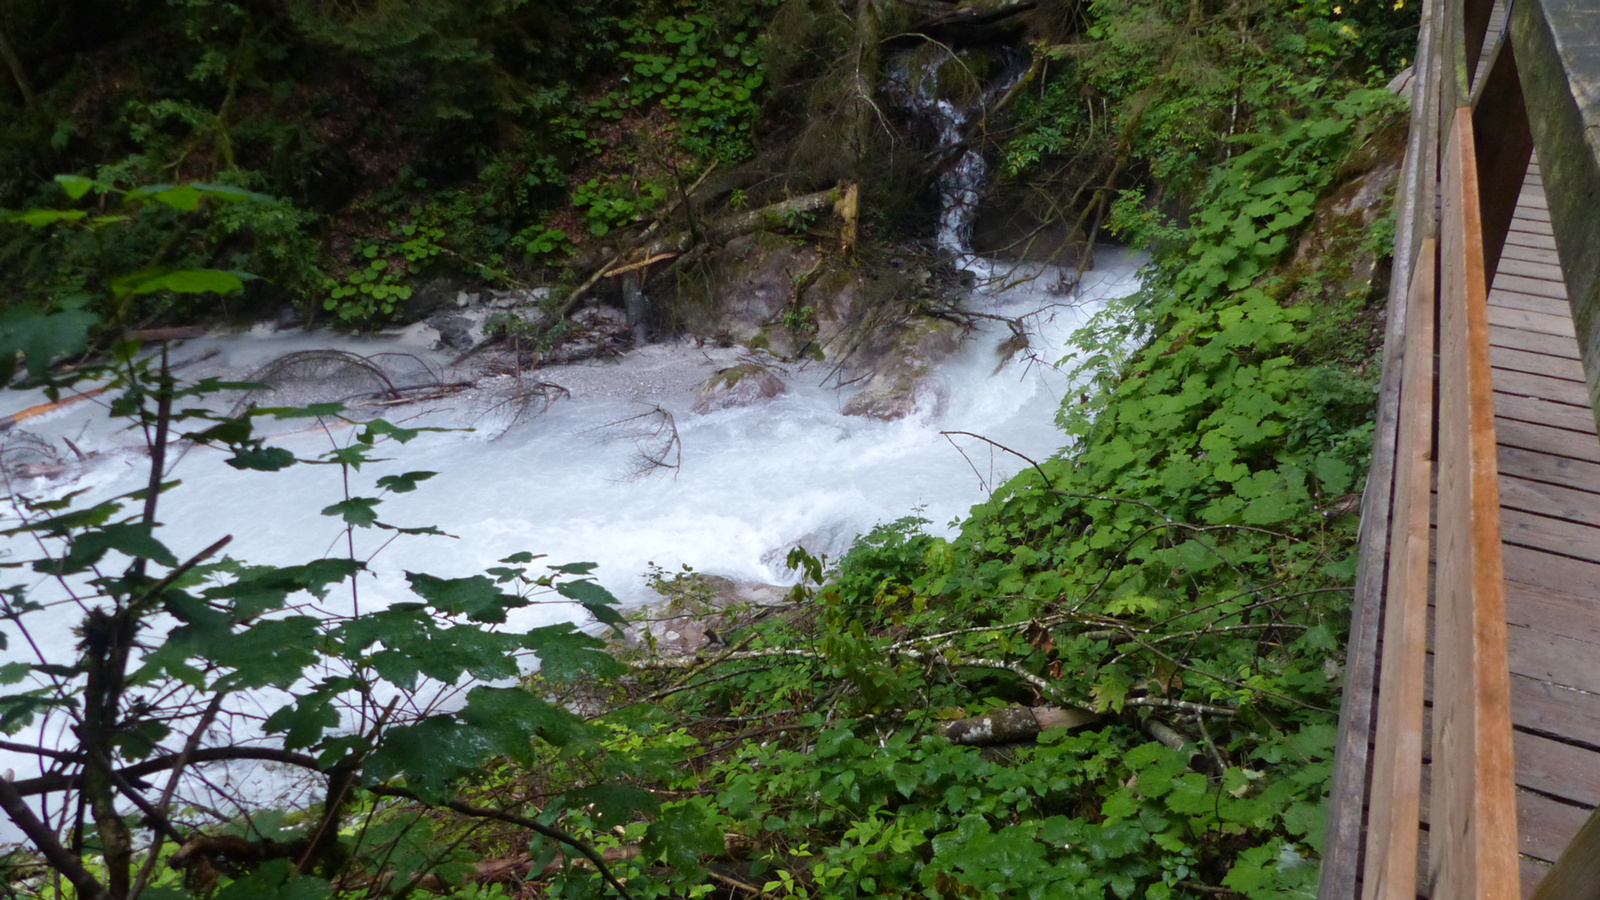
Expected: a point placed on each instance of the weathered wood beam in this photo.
(1472, 817)
(1504, 147)
(1390, 871)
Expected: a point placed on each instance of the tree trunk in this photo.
(30, 100)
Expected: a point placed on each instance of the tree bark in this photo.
(30, 100)
(1014, 724)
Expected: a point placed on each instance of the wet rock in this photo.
(288, 317)
(903, 383)
(517, 298)
(602, 318)
(904, 396)
(430, 298)
(720, 608)
(830, 541)
(743, 385)
(456, 332)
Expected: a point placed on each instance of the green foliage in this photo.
(480, 120)
(56, 312)
(613, 204)
(704, 70)
(408, 700)
(1162, 88)
(376, 278)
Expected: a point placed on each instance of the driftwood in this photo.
(1014, 724)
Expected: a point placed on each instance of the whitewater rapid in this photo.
(753, 481)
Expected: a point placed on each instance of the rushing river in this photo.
(753, 481)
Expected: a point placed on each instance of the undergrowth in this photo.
(1180, 576)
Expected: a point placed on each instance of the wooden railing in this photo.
(1472, 138)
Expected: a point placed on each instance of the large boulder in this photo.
(903, 381)
(743, 385)
(897, 398)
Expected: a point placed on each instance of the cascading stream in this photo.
(961, 183)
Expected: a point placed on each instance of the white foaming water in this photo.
(753, 481)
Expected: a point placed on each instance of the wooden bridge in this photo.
(1469, 756)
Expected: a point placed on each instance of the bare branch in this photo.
(499, 815)
(45, 840)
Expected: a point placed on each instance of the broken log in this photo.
(782, 214)
(1014, 724)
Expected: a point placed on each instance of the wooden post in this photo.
(1500, 120)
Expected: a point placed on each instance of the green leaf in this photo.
(273, 653)
(261, 459)
(1307, 819)
(260, 589)
(360, 512)
(682, 836)
(181, 281)
(379, 428)
(41, 337)
(477, 598)
(405, 483)
(39, 218)
(303, 722)
(431, 755)
(614, 804)
(596, 599)
(69, 522)
(87, 549)
(566, 654)
(181, 197)
(76, 185)
(275, 880)
(1112, 689)
(510, 718)
(314, 410)
(18, 710)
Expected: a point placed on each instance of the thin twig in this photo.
(498, 815)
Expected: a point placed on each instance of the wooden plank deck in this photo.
(1549, 455)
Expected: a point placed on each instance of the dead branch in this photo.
(1014, 724)
(936, 654)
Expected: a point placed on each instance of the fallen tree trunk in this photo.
(779, 215)
(842, 198)
(1014, 724)
(974, 20)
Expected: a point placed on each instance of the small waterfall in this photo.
(916, 89)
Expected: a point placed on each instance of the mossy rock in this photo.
(743, 385)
